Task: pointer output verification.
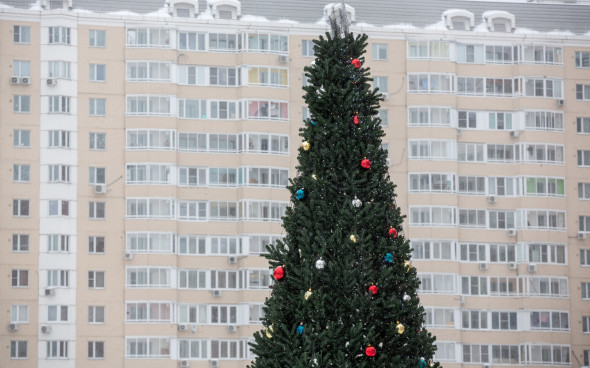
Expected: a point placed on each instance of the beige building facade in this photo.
(144, 159)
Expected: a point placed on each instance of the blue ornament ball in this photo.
(388, 258)
(300, 330)
(422, 363)
(300, 194)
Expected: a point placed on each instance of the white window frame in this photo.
(97, 106)
(97, 38)
(96, 244)
(21, 173)
(21, 104)
(19, 313)
(21, 34)
(20, 242)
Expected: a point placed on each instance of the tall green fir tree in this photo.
(344, 290)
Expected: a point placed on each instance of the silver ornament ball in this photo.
(356, 202)
(320, 264)
(406, 297)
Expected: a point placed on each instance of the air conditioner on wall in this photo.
(12, 326)
(515, 133)
(25, 80)
(483, 266)
(49, 292)
(100, 189)
(232, 328)
(184, 363)
(284, 58)
(217, 292)
(214, 363)
(182, 327)
(45, 329)
(560, 102)
(532, 268)
(511, 232)
(512, 265)
(14, 80)
(51, 82)
(128, 255)
(581, 235)
(492, 199)
(232, 259)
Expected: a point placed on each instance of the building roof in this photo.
(533, 15)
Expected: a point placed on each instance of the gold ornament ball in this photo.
(400, 328)
(407, 264)
(314, 177)
(308, 294)
(430, 363)
(353, 238)
(305, 145)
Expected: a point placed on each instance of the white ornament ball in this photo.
(406, 297)
(356, 202)
(320, 264)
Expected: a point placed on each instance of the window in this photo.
(21, 173)
(500, 121)
(59, 69)
(20, 207)
(583, 190)
(381, 83)
(58, 278)
(307, 48)
(96, 244)
(148, 277)
(192, 349)
(585, 257)
(436, 283)
(470, 53)
(546, 286)
(505, 354)
(59, 35)
(229, 349)
(497, 54)
(192, 245)
(156, 312)
(268, 76)
(585, 290)
(435, 249)
(586, 324)
(149, 174)
(544, 219)
(259, 279)
(432, 182)
(221, 279)
(192, 279)
(96, 210)
(470, 152)
(147, 347)
(544, 187)
(148, 105)
(549, 321)
(95, 349)
(473, 252)
(544, 120)
(19, 313)
(582, 59)
(18, 349)
(193, 41)
(500, 153)
(59, 173)
(151, 139)
(151, 242)
(539, 87)
(470, 86)
(251, 143)
(475, 353)
(197, 109)
(504, 321)
(96, 279)
(445, 351)
(21, 138)
(273, 43)
(59, 138)
(256, 313)
(57, 313)
(267, 110)
(498, 87)
(148, 71)
(432, 216)
(148, 37)
(503, 286)
(228, 177)
(256, 176)
(258, 243)
(501, 219)
(20, 278)
(97, 175)
(223, 314)
(98, 72)
(439, 317)
(224, 76)
(192, 176)
(21, 34)
(155, 208)
(97, 141)
(584, 223)
(223, 211)
(57, 243)
(542, 153)
(426, 50)
(473, 285)
(432, 149)
(542, 54)
(259, 210)
(21, 68)
(503, 186)
(97, 106)
(223, 42)
(379, 51)
(59, 208)
(21, 103)
(584, 158)
(97, 38)
(20, 242)
(383, 115)
(59, 104)
(474, 320)
(546, 354)
(502, 253)
(57, 349)
(467, 119)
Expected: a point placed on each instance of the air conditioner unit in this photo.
(45, 329)
(483, 266)
(232, 259)
(459, 131)
(128, 255)
(511, 232)
(49, 292)
(214, 363)
(512, 265)
(492, 199)
(515, 133)
(581, 235)
(184, 363)
(217, 292)
(194, 328)
(14, 80)
(487, 366)
(560, 102)
(51, 82)
(13, 326)
(532, 268)
(25, 80)
(182, 327)
(284, 58)
(100, 189)
(232, 328)
(385, 96)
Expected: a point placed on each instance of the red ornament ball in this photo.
(279, 273)
(356, 63)
(373, 289)
(370, 351)
(392, 232)
(366, 163)
(356, 120)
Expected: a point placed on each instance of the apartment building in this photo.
(145, 148)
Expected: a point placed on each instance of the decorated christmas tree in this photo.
(344, 292)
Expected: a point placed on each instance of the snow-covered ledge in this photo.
(453, 16)
(493, 17)
(220, 8)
